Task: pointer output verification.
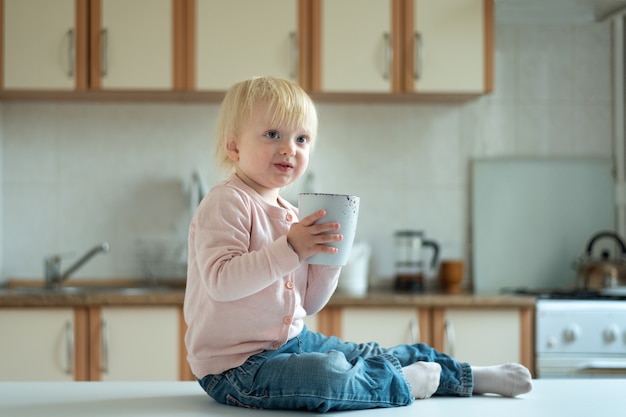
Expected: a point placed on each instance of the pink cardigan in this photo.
(246, 289)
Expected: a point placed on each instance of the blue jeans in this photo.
(320, 373)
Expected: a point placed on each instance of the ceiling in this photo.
(566, 11)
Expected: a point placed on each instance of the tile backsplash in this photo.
(74, 174)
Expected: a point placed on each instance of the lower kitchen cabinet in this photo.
(311, 323)
(134, 343)
(478, 335)
(484, 336)
(41, 344)
(143, 343)
(389, 326)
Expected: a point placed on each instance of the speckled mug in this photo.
(340, 208)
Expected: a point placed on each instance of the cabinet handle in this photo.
(388, 56)
(449, 329)
(418, 58)
(104, 52)
(415, 331)
(69, 347)
(293, 71)
(71, 53)
(104, 345)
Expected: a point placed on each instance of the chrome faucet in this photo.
(52, 265)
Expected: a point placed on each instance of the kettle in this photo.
(595, 273)
(410, 270)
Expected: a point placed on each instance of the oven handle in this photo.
(603, 365)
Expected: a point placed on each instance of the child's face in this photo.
(269, 157)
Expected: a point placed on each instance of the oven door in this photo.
(581, 366)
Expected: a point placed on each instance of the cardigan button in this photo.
(289, 285)
(289, 217)
(287, 320)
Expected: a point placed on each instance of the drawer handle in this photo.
(293, 72)
(415, 331)
(69, 347)
(71, 53)
(104, 52)
(104, 357)
(449, 329)
(387, 57)
(419, 56)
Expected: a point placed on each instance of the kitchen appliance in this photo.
(410, 270)
(580, 330)
(580, 334)
(604, 272)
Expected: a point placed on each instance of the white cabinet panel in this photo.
(311, 323)
(39, 44)
(136, 42)
(139, 344)
(387, 326)
(37, 344)
(452, 56)
(355, 53)
(483, 337)
(239, 39)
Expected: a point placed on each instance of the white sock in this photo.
(509, 380)
(423, 377)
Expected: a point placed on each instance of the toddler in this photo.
(249, 285)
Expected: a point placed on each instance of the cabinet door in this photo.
(37, 344)
(355, 46)
(139, 344)
(39, 44)
(239, 39)
(482, 337)
(132, 42)
(311, 323)
(448, 46)
(387, 326)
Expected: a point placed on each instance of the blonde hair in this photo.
(287, 102)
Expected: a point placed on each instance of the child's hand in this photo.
(307, 238)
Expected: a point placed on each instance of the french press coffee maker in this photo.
(409, 266)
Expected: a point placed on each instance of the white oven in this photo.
(583, 338)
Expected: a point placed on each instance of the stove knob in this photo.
(611, 333)
(571, 333)
(552, 342)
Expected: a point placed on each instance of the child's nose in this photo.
(287, 147)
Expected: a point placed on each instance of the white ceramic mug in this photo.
(340, 208)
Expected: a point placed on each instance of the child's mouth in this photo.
(283, 166)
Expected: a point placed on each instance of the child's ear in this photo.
(232, 150)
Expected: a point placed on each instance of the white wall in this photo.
(75, 174)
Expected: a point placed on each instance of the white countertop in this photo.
(550, 398)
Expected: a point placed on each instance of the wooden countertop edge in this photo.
(176, 297)
(392, 299)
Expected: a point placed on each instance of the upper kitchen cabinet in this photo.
(448, 46)
(228, 41)
(353, 44)
(44, 44)
(402, 46)
(133, 43)
(81, 45)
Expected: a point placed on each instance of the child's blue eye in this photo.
(272, 134)
(302, 139)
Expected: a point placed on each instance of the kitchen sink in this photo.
(90, 289)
